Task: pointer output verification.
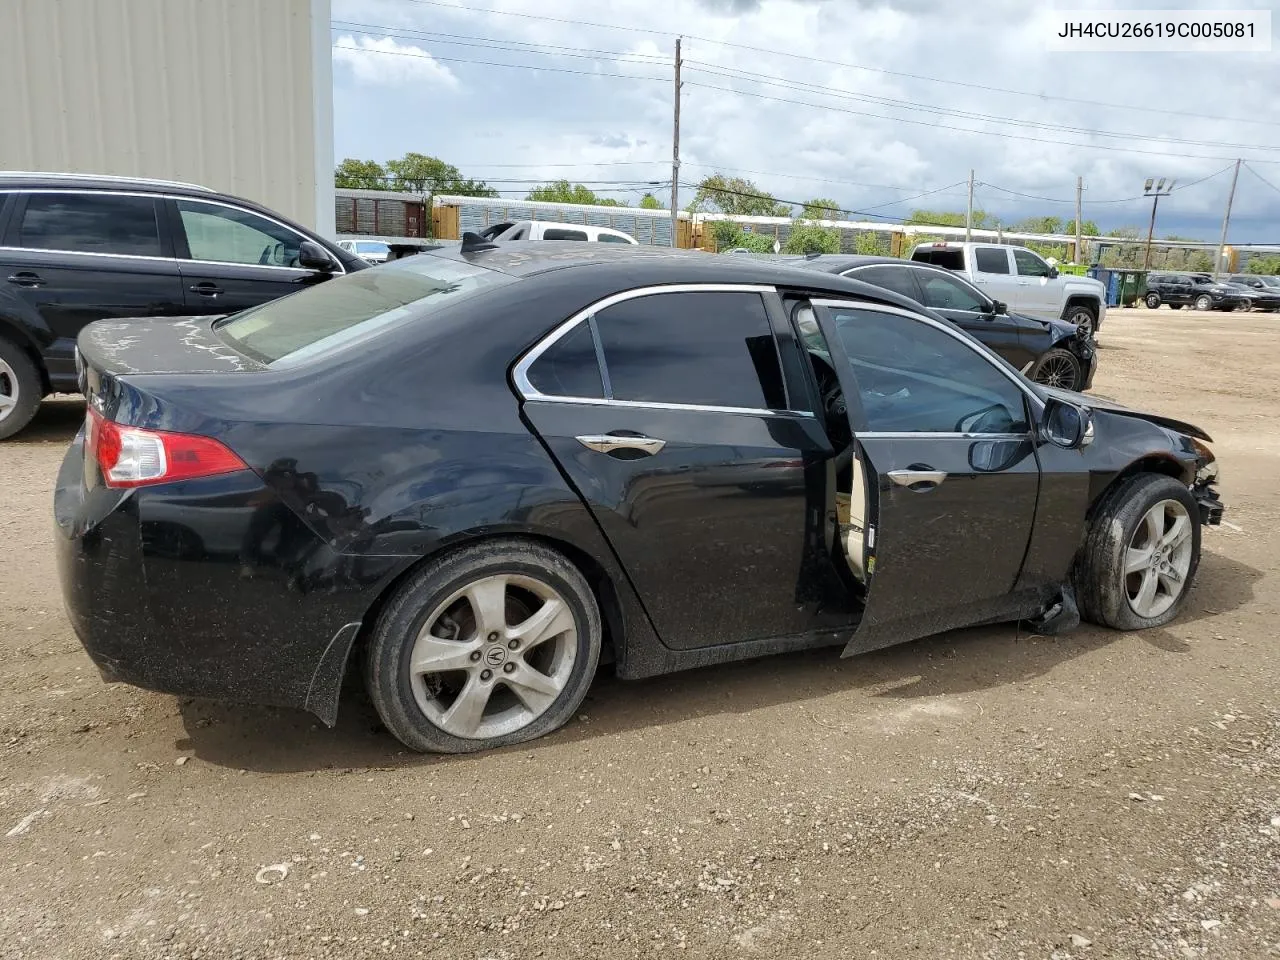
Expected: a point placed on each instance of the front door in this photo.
(1039, 295)
(232, 259)
(944, 437)
(668, 413)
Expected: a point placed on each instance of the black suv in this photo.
(74, 249)
(1052, 352)
(1200, 291)
(1264, 289)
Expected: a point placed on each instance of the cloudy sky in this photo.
(868, 102)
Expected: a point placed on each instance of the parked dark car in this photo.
(1200, 291)
(74, 249)
(667, 459)
(1052, 352)
(1263, 289)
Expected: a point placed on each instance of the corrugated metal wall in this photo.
(232, 94)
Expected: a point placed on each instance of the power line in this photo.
(943, 126)
(1262, 178)
(1120, 200)
(509, 46)
(461, 8)
(805, 87)
(927, 193)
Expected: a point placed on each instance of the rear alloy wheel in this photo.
(1057, 368)
(1085, 317)
(1152, 300)
(492, 645)
(1204, 302)
(1140, 554)
(20, 392)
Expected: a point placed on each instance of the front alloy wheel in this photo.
(490, 645)
(1057, 368)
(1158, 559)
(1204, 302)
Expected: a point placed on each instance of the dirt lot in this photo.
(979, 794)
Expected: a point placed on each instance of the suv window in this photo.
(91, 223)
(569, 367)
(991, 260)
(915, 378)
(611, 238)
(944, 292)
(710, 349)
(557, 233)
(230, 235)
(897, 279)
(1028, 264)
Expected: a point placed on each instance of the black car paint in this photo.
(254, 586)
(56, 293)
(1185, 289)
(1018, 339)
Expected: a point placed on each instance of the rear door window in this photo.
(91, 223)
(612, 238)
(991, 260)
(557, 233)
(569, 367)
(898, 279)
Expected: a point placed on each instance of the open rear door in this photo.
(949, 512)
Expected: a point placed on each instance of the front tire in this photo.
(494, 644)
(1140, 554)
(20, 392)
(1152, 300)
(1204, 303)
(1057, 368)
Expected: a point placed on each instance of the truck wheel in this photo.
(1204, 302)
(20, 392)
(1057, 368)
(1152, 300)
(1084, 316)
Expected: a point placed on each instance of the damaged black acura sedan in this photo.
(475, 474)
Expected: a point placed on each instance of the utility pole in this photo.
(1217, 263)
(968, 213)
(675, 157)
(1079, 192)
(1155, 193)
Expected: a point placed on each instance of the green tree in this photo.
(1047, 224)
(1263, 265)
(650, 202)
(418, 173)
(736, 196)
(1087, 228)
(870, 244)
(944, 218)
(729, 235)
(806, 238)
(361, 175)
(821, 209)
(1199, 261)
(562, 191)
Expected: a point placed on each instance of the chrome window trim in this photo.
(155, 195)
(527, 391)
(96, 178)
(940, 435)
(1010, 375)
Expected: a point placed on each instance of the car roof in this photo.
(629, 267)
(28, 180)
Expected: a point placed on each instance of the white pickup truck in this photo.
(1023, 280)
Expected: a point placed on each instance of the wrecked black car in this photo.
(473, 474)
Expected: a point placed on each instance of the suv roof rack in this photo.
(99, 178)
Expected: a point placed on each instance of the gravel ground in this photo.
(980, 794)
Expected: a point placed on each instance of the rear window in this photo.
(949, 258)
(351, 309)
(555, 233)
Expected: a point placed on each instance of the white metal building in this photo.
(236, 95)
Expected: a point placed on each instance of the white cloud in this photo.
(384, 61)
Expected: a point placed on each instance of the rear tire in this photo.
(1152, 300)
(1084, 316)
(1057, 368)
(1149, 516)
(20, 388)
(451, 674)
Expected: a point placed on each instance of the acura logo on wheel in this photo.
(495, 656)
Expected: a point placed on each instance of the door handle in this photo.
(206, 289)
(918, 481)
(608, 443)
(1024, 283)
(26, 278)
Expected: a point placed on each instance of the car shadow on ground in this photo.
(271, 740)
(56, 421)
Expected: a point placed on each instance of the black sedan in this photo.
(1052, 352)
(475, 474)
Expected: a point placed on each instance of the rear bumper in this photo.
(207, 589)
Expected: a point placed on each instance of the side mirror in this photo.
(312, 256)
(999, 307)
(1065, 425)
(1053, 273)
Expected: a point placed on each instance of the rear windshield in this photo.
(949, 258)
(350, 309)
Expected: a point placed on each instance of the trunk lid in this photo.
(159, 345)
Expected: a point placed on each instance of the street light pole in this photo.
(1155, 190)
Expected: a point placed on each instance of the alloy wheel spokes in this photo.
(1157, 561)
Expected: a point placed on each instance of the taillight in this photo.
(130, 457)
